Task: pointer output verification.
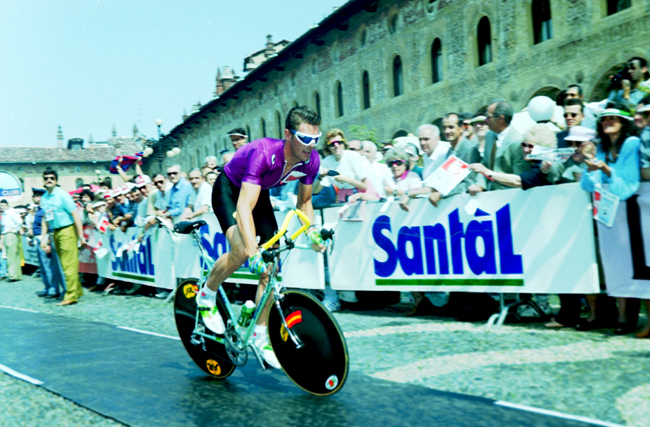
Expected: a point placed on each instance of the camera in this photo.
(616, 82)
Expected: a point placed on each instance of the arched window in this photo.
(317, 103)
(363, 37)
(365, 84)
(436, 61)
(484, 38)
(614, 6)
(392, 24)
(339, 99)
(78, 182)
(542, 24)
(280, 125)
(398, 78)
(263, 129)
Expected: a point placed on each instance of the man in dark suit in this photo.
(502, 147)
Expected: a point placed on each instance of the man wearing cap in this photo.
(12, 223)
(47, 259)
(574, 167)
(238, 137)
(573, 115)
(62, 220)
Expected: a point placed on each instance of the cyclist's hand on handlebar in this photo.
(256, 264)
(317, 241)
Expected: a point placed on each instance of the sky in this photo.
(90, 64)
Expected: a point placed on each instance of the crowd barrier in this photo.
(511, 241)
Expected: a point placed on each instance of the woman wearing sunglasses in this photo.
(402, 179)
(614, 163)
(347, 170)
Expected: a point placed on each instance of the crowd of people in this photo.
(611, 141)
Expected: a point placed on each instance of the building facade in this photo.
(392, 65)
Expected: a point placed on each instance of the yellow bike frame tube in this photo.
(285, 225)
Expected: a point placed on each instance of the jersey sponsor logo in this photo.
(292, 176)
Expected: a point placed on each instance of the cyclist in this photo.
(241, 201)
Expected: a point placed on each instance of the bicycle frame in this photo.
(272, 286)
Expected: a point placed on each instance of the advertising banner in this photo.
(512, 241)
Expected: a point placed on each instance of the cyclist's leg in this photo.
(229, 262)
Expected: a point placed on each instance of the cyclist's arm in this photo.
(304, 201)
(245, 204)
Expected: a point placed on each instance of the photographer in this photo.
(626, 86)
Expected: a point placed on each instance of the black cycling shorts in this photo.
(224, 202)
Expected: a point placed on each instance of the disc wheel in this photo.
(208, 355)
(320, 366)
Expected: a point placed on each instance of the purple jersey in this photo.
(261, 162)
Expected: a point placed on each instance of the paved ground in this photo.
(593, 374)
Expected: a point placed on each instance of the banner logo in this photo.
(447, 249)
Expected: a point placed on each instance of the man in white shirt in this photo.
(12, 222)
(433, 148)
(203, 201)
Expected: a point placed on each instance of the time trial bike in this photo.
(305, 337)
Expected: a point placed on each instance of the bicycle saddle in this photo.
(186, 227)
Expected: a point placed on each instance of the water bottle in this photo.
(246, 314)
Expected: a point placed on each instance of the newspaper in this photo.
(451, 173)
(551, 154)
(605, 206)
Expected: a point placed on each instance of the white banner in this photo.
(511, 241)
(163, 256)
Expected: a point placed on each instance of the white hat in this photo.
(404, 141)
(581, 133)
(142, 180)
(643, 109)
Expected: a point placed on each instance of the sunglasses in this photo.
(396, 163)
(335, 143)
(526, 145)
(159, 182)
(306, 139)
(483, 123)
(49, 178)
(172, 173)
(572, 115)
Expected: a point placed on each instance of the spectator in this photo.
(468, 129)
(502, 147)
(573, 115)
(141, 204)
(47, 259)
(211, 177)
(354, 145)
(574, 91)
(634, 73)
(158, 198)
(535, 176)
(645, 142)
(353, 170)
(60, 215)
(12, 223)
(238, 137)
(434, 149)
(615, 161)
(143, 182)
(4, 206)
(227, 157)
(573, 168)
(203, 196)
(411, 146)
(181, 196)
(481, 129)
(381, 171)
(402, 179)
(87, 210)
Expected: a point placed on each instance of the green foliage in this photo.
(363, 133)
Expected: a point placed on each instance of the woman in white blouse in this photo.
(403, 179)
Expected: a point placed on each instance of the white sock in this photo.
(209, 293)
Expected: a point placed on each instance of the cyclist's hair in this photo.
(574, 101)
(237, 131)
(299, 115)
(49, 171)
(576, 86)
